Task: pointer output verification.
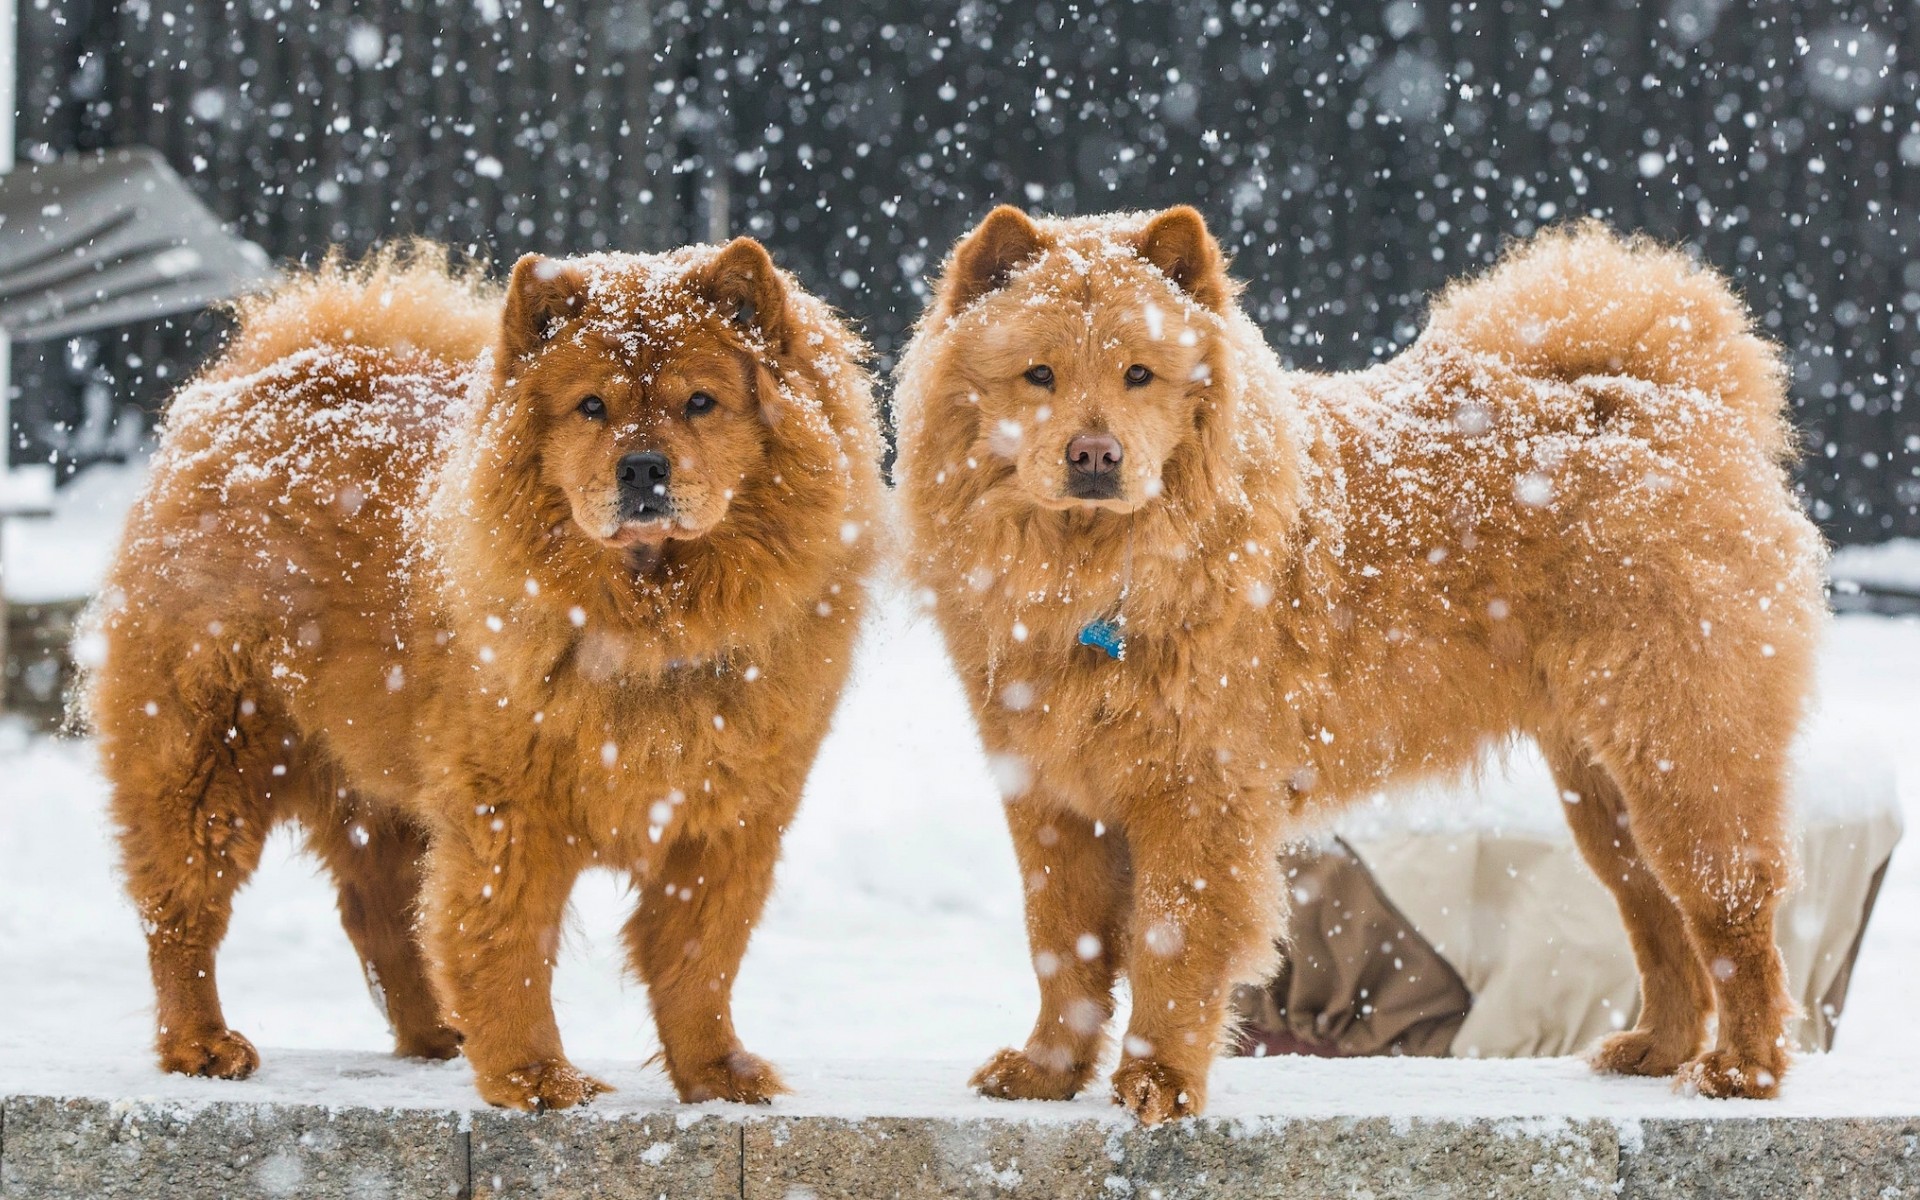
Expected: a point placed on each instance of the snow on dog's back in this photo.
(1583, 301)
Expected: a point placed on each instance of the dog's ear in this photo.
(742, 281)
(988, 255)
(1178, 243)
(542, 293)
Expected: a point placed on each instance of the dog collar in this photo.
(1109, 634)
(1105, 636)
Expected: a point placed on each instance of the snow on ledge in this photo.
(1257, 1091)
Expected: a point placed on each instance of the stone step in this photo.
(69, 1147)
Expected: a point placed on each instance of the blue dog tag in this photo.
(1105, 636)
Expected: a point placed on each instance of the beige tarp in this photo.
(1463, 921)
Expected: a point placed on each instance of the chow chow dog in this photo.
(483, 588)
(1199, 600)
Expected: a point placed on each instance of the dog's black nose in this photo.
(645, 473)
(643, 484)
(1093, 466)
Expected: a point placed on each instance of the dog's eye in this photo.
(1138, 376)
(698, 403)
(593, 408)
(1040, 376)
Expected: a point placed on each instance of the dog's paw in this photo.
(1638, 1052)
(1725, 1074)
(740, 1077)
(1014, 1075)
(1155, 1092)
(439, 1043)
(538, 1087)
(217, 1054)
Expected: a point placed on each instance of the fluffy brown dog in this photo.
(1562, 513)
(587, 603)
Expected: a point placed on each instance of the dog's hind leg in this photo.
(194, 796)
(375, 858)
(1703, 782)
(1712, 828)
(1676, 995)
(1077, 894)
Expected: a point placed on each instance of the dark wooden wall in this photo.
(1353, 156)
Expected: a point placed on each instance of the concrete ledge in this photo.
(62, 1148)
(103, 1149)
(630, 1157)
(1199, 1160)
(1771, 1157)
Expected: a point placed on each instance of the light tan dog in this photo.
(1562, 513)
(590, 603)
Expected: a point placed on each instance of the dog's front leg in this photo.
(497, 890)
(1076, 890)
(698, 905)
(1205, 908)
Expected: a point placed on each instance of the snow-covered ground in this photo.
(1894, 564)
(63, 557)
(891, 961)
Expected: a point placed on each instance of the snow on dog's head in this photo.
(664, 442)
(1089, 348)
(649, 383)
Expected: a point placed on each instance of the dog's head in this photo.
(646, 387)
(1089, 348)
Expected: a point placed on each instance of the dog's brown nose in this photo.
(1093, 454)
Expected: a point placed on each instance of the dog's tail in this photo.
(1581, 300)
(410, 296)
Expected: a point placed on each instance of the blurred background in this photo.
(1352, 156)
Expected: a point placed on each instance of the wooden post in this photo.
(9, 92)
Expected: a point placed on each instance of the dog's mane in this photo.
(1211, 498)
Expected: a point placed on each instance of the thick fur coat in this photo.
(1562, 513)
(562, 576)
